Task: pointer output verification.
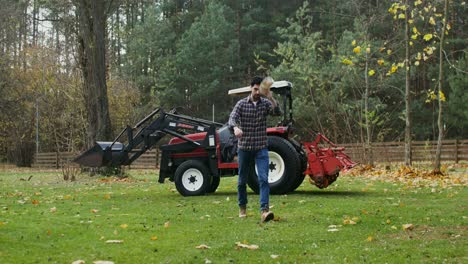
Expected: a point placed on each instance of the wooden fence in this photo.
(452, 150)
(56, 160)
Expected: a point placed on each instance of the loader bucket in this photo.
(101, 154)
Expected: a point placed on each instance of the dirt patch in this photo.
(425, 232)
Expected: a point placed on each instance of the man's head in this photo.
(255, 86)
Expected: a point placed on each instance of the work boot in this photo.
(266, 216)
(242, 211)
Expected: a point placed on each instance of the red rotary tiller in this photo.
(325, 164)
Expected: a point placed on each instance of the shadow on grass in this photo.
(302, 192)
(330, 193)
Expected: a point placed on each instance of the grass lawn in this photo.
(372, 219)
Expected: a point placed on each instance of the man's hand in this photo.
(269, 96)
(238, 132)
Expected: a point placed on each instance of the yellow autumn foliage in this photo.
(427, 37)
(441, 96)
(357, 50)
(347, 62)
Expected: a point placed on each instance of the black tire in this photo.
(284, 167)
(192, 178)
(300, 173)
(214, 184)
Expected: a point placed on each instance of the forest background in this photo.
(73, 71)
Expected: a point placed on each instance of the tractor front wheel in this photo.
(192, 178)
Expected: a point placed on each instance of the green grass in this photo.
(157, 225)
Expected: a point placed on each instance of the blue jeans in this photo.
(248, 159)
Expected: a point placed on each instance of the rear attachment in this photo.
(325, 164)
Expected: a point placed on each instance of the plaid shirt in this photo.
(252, 120)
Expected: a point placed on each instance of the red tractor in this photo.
(202, 151)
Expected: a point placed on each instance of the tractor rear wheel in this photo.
(214, 185)
(192, 178)
(300, 173)
(284, 166)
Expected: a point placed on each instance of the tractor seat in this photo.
(227, 144)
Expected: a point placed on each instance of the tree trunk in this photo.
(92, 20)
(408, 157)
(440, 88)
(119, 41)
(369, 157)
(35, 22)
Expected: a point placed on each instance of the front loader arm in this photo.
(142, 137)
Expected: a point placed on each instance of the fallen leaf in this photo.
(53, 209)
(207, 261)
(274, 256)
(94, 211)
(251, 247)
(78, 262)
(103, 262)
(123, 226)
(167, 224)
(107, 196)
(154, 238)
(35, 202)
(333, 228)
(408, 227)
(114, 241)
(370, 238)
(202, 246)
(351, 221)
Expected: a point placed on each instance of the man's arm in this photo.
(234, 120)
(275, 109)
